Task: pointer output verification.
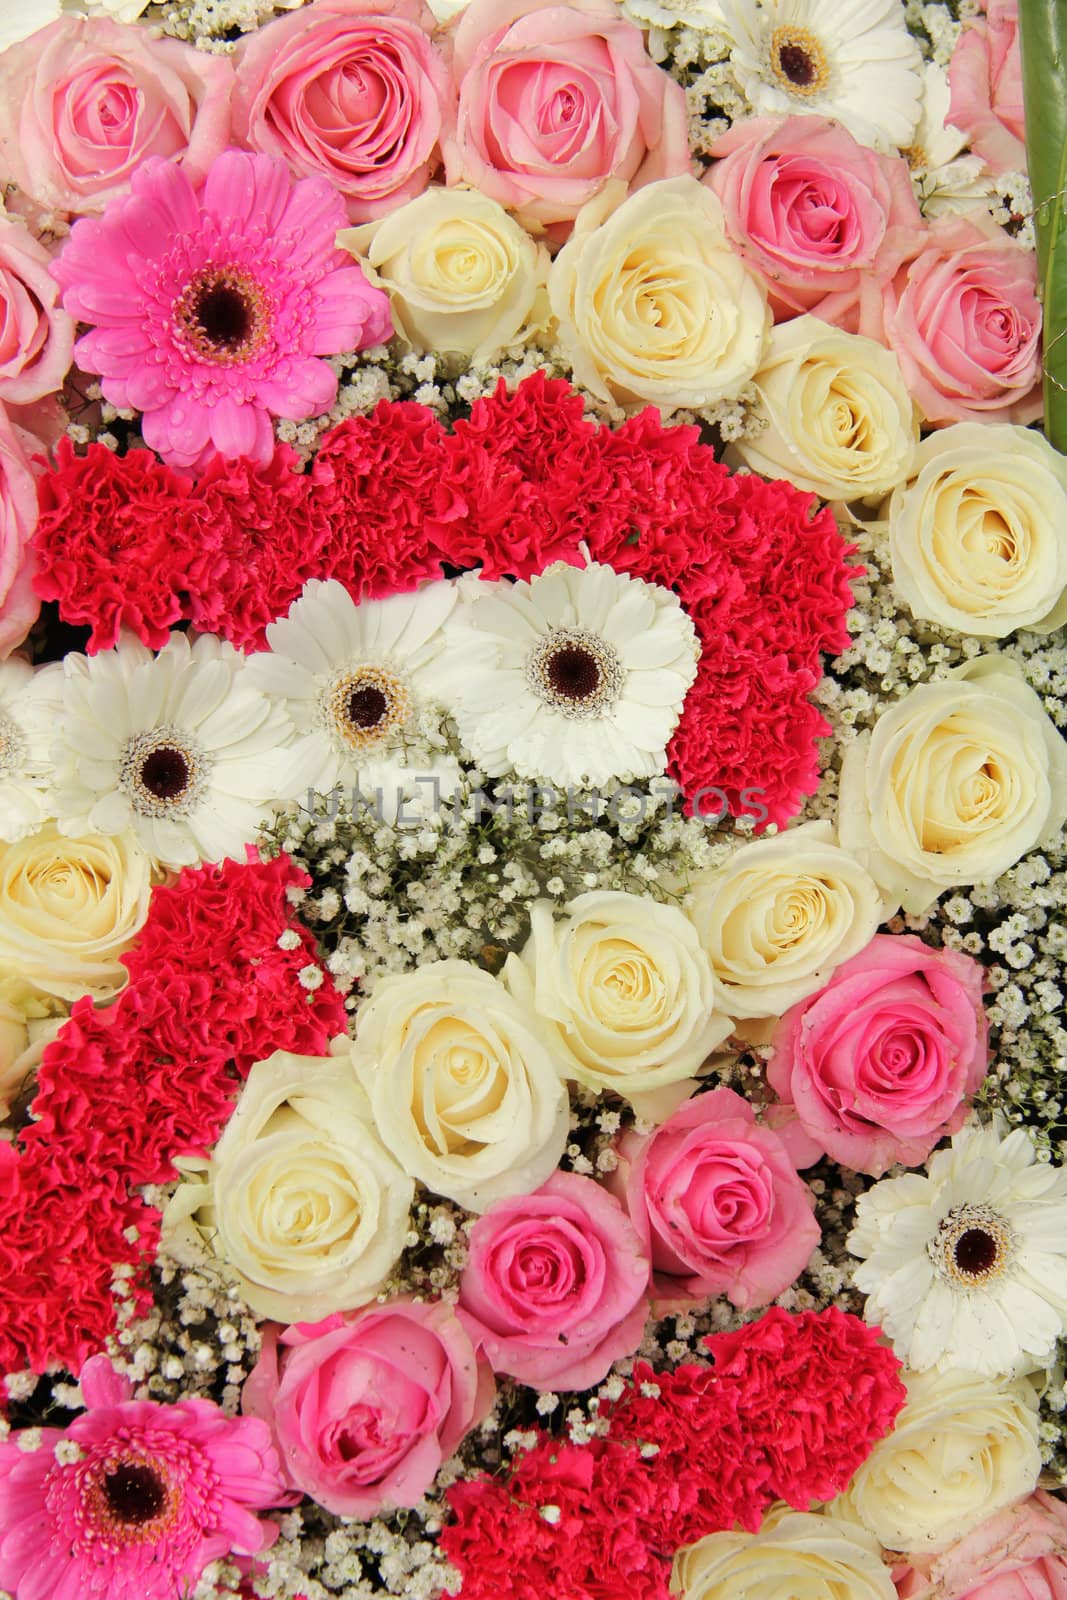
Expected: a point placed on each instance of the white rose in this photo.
(464, 1093)
(69, 907)
(795, 1554)
(299, 1199)
(461, 274)
(962, 1448)
(780, 916)
(839, 420)
(957, 781)
(977, 537)
(20, 18)
(653, 302)
(622, 988)
(23, 1036)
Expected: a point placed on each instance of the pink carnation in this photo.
(365, 1409)
(813, 212)
(881, 1063)
(211, 309)
(556, 99)
(554, 1287)
(1019, 1554)
(718, 1203)
(158, 1492)
(986, 79)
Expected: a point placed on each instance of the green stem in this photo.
(1043, 41)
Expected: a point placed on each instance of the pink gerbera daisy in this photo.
(211, 307)
(134, 1499)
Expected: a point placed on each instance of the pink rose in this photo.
(365, 1408)
(964, 321)
(36, 334)
(554, 1290)
(880, 1064)
(556, 99)
(19, 605)
(1019, 1554)
(84, 102)
(812, 211)
(718, 1202)
(350, 90)
(985, 77)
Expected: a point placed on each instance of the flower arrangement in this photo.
(532, 800)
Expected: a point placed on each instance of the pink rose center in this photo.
(716, 1197)
(547, 1270)
(363, 104)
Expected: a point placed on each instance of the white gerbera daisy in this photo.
(850, 59)
(945, 180)
(577, 677)
(968, 1267)
(178, 747)
(29, 708)
(704, 16)
(359, 683)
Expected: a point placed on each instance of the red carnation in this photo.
(528, 465)
(213, 939)
(675, 1415)
(746, 739)
(110, 544)
(385, 487)
(816, 1393)
(257, 534)
(574, 1521)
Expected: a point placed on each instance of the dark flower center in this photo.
(224, 314)
(573, 673)
(576, 672)
(797, 64)
(165, 773)
(975, 1252)
(366, 707)
(134, 1493)
(798, 61)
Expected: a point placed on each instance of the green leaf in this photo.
(1043, 41)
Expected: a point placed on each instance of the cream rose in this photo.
(461, 274)
(464, 1093)
(838, 417)
(957, 781)
(653, 302)
(24, 1032)
(623, 990)
(977, 537)
(962, 1448)
(795, 1554)
(780, 916)
(299, 1201)
(68, 910)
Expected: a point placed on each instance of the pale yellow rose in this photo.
(69, 908)
(299, 1202)
(958, 780)
(795, 1554)
(978, 537)
(24, 1033)
(462, 276)
(622, 990)
(839, 420)
(780, 916)
(463, 1091)
(962, 1448)
(653, 302)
